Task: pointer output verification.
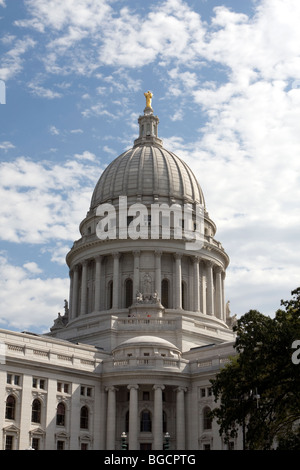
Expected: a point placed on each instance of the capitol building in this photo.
(146, 327)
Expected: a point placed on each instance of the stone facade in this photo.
(144, 330)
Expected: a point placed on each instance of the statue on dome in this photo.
(148, 97)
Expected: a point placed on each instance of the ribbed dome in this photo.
(147, 170)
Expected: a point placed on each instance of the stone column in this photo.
(223, 295)
(71, 274)
(158, 273)
(75, 292)
(178, 287)
(157, 429)
(83, 306)
(133, 417)
(136, 273)
(111, 419)
(196, 284)
(115, 302)
(98, 283)
(210, 288)
(219, 293)
(180, 418)
(202, 288)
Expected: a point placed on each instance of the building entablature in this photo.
(27, 349)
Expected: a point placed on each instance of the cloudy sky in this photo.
(225, 78)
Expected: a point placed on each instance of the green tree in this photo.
(259, 389)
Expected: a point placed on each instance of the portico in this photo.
(148, 417)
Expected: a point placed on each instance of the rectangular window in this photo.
(17, 380)
(13, 379)
(35, 443)
(63, 387)
(60, 445)
(9, 443)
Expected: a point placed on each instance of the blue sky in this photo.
(225, 78)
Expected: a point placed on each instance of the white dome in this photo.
(147, 340)
(148, 171)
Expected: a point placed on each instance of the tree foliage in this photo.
(259, 389)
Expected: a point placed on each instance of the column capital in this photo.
(195, 259)
(116, 254)
(134, 386)
(177, 255)
(84, 262)
(136, 252)
(158, 386)
(209, 263)
(111, 388)
(180, 389)
(158, 253)
(99, 258)
(218, 269)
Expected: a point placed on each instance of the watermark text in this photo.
(2, 92)
(162, 221)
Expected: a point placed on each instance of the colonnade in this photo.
(205, 289)
(134, 425)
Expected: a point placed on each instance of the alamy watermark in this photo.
(2, 92)
(161, 221)
(296, 354)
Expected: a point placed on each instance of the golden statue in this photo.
(148, 97)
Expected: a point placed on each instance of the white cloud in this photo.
(81, 14)
(11, 62)
(86, 155)
(42, 201)
(43, 92)
(32, 267)
(53, 130)
(34, 302)
(6, 145)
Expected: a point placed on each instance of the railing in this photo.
(155, 362)
(130, 321)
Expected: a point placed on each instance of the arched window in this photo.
(36, 411)
(207, 420)
(10, 407)
(165, 293)
(146, 423)
(110, 295)
(128, 292)
(84, 418)
(60, 414)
